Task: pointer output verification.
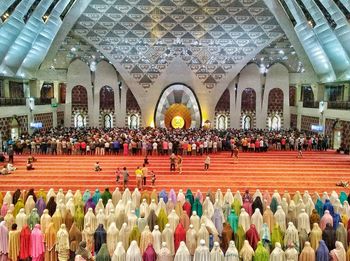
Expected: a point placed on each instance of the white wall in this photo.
(78, 74)
(105, 74)
(277, 77)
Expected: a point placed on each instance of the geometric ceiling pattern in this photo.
(214, 38)
(211, 37)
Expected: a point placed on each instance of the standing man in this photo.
(172, 162)
(10, 152)
(144, 174)
(138, 173)
(207, 163)
(235, 152)
(125, 178)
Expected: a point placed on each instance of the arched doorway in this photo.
(274, 122)
(134, 121)
(14, 128)
(337, 135)
(79, 120)
(221, 122)
(107, 121)
(178, 116)
(246, 122)
(178, 94)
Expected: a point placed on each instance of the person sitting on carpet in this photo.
(31, 159)
(29, 165)
(4, 171)
(10, 167)
(97, 166)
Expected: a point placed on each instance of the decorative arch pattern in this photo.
(79, 96)
(224, 102)
(131, 102)
(275, 100)
(248, 100)
(292, 95)
(107, 98)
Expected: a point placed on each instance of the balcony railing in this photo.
(12, 101)
(311, 104)
(339, 105)
(42, 101)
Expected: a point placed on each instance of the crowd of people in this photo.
(165, 226)
(157, 141)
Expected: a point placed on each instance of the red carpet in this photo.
(317, 171)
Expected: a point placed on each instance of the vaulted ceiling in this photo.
(213, 38)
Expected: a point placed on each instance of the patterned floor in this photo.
(317, 171)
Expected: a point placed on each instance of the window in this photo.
(222, 122)
(79, 121)
(247, 121)
(134, 121)
(107, 119)
(334, 93)
(274, 122)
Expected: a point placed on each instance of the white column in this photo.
(346, 91)
(54, 117)
(68, 107)
(6, 88)
(234, 122)
(91, 107)
(121, 105)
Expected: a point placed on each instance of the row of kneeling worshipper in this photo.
(169, 225)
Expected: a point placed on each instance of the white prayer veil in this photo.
(119, 253)
(182, 253)
(133, 253)
(232, 252)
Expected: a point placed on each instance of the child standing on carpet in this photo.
(300, 150)
(117, 175)
(153, 178)
(206, 163)
(97, 166)
(235, 152)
